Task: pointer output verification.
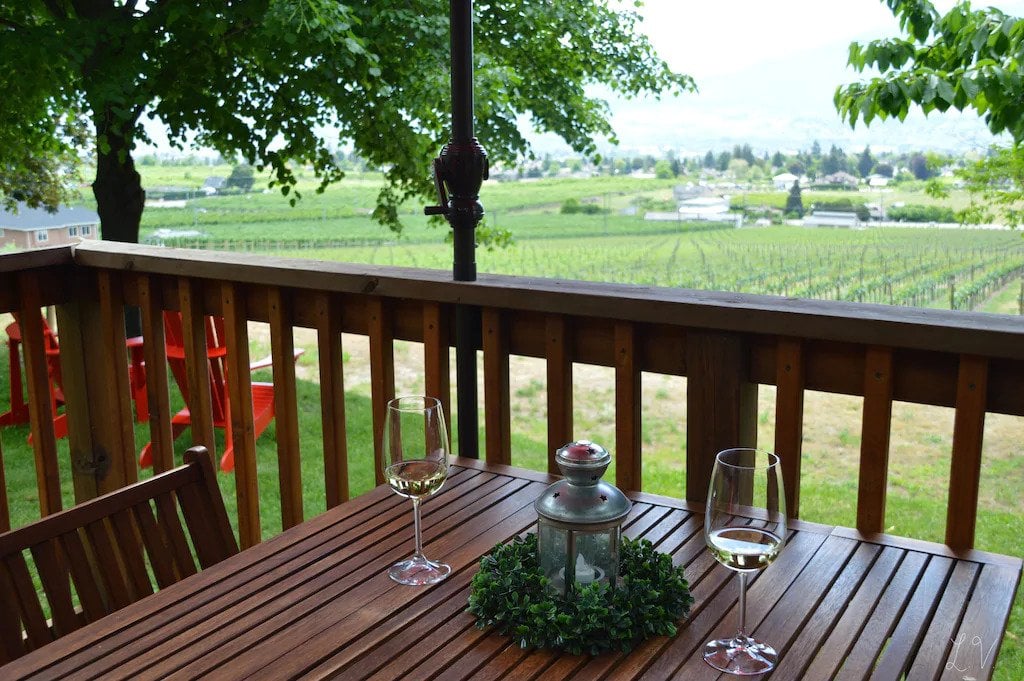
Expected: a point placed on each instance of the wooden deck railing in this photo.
(725, 344)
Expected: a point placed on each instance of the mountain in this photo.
(783, 103)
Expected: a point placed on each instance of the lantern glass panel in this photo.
(597, 556)
(552, 547)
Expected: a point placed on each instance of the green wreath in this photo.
(511, 594)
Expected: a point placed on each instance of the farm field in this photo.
(954, 268)
(887, 265)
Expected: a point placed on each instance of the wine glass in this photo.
(745, 528)
(414, 457)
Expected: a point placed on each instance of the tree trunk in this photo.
(118, 186)
(120, 198)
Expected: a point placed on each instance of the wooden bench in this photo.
(112, 551)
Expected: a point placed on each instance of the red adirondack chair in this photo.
(216, 354)
(18, 412)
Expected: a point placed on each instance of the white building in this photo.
(705, 208)
(832, 218)
(784, 181)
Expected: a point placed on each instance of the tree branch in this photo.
(10, 23)
(91, 9)
(56, 8)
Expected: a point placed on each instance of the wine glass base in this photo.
(742, 656)
(418, 571)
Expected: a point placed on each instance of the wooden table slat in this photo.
(315, 602)
(465, 661)
(875, 633)
(834, 649)
(652, 517)
(457, 634)
(461, 546)
(931, 655)
(782, 625)
(376, 647)
(908, 632)
(977, 641)
(805, 646)
(304, 592)
(716, 594)
(762, 595)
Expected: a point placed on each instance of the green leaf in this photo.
(944, 91)
(930, 87)
(651, 598)
(979, 38)
(970, 87)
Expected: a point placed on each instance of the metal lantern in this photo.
(579, 520)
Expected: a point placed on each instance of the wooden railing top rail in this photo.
(862, 323)
(16, 261)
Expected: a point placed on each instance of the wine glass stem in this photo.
(742, 604)
(416, 527)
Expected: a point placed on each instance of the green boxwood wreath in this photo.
(510, 593)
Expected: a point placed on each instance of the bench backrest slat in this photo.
(106, 553)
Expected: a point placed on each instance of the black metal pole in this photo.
(459, 172)
(462, 70)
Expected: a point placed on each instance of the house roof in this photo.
(28, 219)
(704, 202)
(840, 177)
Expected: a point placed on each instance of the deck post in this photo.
(94, 367)
(721, 404)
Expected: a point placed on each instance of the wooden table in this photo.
(315, 601)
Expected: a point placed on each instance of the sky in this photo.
(716, 39)
(766, 73)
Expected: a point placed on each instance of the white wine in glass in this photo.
(745, 528)
(414, 458)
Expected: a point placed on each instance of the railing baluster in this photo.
(5, 508)
(239, 383)
(193, 327)
(628, 462)
(77, 324)
(154, 349)
(41, 409)
(497, 408)
(116, 416)
(559, 369)
(332, 399)
(874, 443)
(436, 362)
(968, 434)
(286, 415)
(382, 372)
(789, 417)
